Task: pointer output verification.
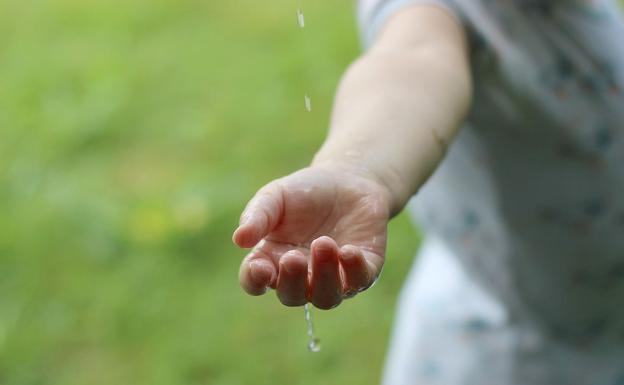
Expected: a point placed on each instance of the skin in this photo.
(319, 234)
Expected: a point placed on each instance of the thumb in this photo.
(261, 215)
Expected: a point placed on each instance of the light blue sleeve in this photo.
(373, 14)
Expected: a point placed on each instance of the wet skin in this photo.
(317, 235)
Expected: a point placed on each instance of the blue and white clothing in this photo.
(520, 280)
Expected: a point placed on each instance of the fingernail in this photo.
(286, 262)
(256, 270)
(348, 255)
(260, 272)
(284, 266)
(324, 254)
(244, 219)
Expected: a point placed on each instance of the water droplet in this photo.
(308, 103)
(300, 18)
(314, 344)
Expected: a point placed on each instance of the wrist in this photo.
(359, 168)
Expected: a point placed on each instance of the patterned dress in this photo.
(520, 279)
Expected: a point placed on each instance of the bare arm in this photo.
(399, 106)
(319, 234)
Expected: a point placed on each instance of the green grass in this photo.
(131, 136)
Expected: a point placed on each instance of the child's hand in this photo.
(319, 236)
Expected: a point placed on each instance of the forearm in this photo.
(396, 111)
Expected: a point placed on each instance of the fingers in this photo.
(325, 282)
(334, 274)
(257, 273)
(260, 216)
(293, 279)
(357, 271)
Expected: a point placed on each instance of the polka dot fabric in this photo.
(521, 276)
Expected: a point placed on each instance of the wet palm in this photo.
(318, 235)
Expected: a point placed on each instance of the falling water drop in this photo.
(300, 18)
(314, 344)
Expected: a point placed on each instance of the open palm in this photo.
(318, 235)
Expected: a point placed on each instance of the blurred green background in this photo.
(131, 136)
